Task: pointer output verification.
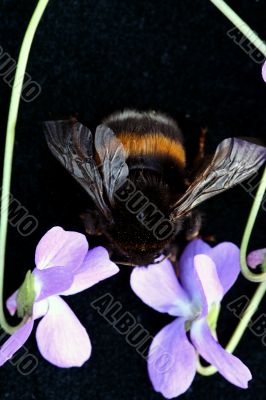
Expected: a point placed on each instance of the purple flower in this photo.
(205, 275)
(64, 266)
(256, 257)
(264, 71)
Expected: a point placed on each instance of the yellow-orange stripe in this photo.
(152, 144)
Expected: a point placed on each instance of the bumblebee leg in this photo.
(209, 238)
(197, 159)
(193, 223)
(93, 222)
(202, 144)
(173, 252)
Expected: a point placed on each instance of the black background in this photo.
(94, 57)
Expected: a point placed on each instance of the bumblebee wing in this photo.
(72, 144)
(234, 161)
(113, 158)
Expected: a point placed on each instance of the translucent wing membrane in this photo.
(234, 161)
(113, 159)
(72, 144)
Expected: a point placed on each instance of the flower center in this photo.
(26, 296)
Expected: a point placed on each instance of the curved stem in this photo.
(261, 289)
(248, 230)
(246, 317)
(241, 25)
(240, 329)
(9, 146)
(205, 371)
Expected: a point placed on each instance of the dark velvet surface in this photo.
(94, 57)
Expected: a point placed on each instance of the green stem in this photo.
(241, 25)
(248, 230)
(9, 147)
(246, 317)
(240, 329)
(261, 289)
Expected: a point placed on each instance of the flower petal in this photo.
(11, 303)
(61, 338)
(172, 360)
(227, 364)
(188, 275)
(15, 342)
(96, 267)
(226, 257)
(256, 258)
(158, 287)
(264, 72)
(207, 273)
(61, 248)
(51, 281)
(40, 309)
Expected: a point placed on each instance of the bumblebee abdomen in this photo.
(148, 134)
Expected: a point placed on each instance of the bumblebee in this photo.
(135, 170)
